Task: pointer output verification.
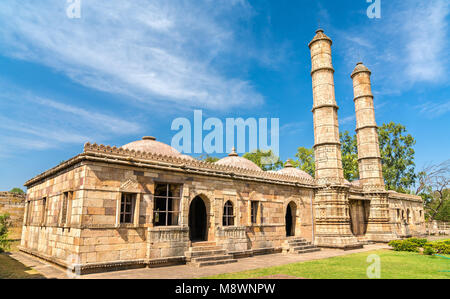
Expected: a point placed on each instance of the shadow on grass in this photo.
(13, 269)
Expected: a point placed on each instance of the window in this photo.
(30, 212)
(254, 211)
(228, 217)
(127, 204)
(167, 200)
(66, 206)
(44, 211)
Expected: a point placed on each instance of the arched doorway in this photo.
(290, 219)
(197, 220)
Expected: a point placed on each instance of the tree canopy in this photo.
(17, 191)
(266, 160)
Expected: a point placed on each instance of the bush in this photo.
(4, 241)
(405, 245)
(441, 247)
(428, 250)
(419, 242)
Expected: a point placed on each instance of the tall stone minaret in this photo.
(327, 147)
(369, 158)
(331, 203)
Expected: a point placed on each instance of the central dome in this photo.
(234, 160)
(148, 144)
(289, 169)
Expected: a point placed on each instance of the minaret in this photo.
(369, 158)
(331, 205)
(327, 147)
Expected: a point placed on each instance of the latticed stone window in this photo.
(254, 211)
(167, 200)
(228, 216)
(127, 205)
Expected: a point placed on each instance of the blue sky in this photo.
(126, 70)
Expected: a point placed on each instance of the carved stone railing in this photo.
(187, 162)
(168, 234)
(231, 232)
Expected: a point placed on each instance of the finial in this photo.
(319, 30)
(233, 152)
(148, 138)
(288, 164)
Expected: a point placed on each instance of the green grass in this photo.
(11, 268)
(354, 266)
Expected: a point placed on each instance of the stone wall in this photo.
(14, 205)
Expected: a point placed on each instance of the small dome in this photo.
(149, 144)
(359, 68)
(320, 36)
(234, 160)
(289, 169)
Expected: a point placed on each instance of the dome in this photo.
(320, 36)
(289, 169)
(234, 160)
(149, 144)
(360, 67)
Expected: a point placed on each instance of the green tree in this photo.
(349, 150)
(4, 224)
(265, 159)
(208, 158)
(397, 156)
(305, 160)
(17, 191)
(433, 187)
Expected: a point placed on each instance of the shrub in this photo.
(405, 245)
(441, 247)
(4, 224)
(428, 250)
(419, 242)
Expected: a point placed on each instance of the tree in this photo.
(349, 150)
(4, 224)
(208, 158)
(397, 156)
(266, 160)
(17, 191)
(305, 160)
(433, 187)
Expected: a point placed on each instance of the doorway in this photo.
(290, 219)
(197, 220)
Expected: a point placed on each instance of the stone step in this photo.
(211, 258)
(194, 254)
(212, 263)
(205, 248)
(306, 250)
(302, 247)
(202, 244)
(298, 243)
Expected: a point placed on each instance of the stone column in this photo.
(327, 147)
(331, 198)
(369, 158)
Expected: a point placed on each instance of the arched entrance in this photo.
(197, 220)
(290, 219)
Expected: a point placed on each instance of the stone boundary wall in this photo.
(14, 205)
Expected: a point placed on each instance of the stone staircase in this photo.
(298, 246)
(202, 254)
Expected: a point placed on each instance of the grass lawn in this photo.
(10, 268)
(393, 265)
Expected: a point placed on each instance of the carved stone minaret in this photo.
(331, 197)
(327, 147)
(369, 158)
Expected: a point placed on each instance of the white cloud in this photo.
(433, 109)
(153, 51)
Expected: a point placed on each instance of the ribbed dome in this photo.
(234, 160)
(149, 144)
(360, 67)
(289, 169)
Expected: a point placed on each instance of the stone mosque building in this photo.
(146, 204)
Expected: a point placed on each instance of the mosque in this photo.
(145, 204)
